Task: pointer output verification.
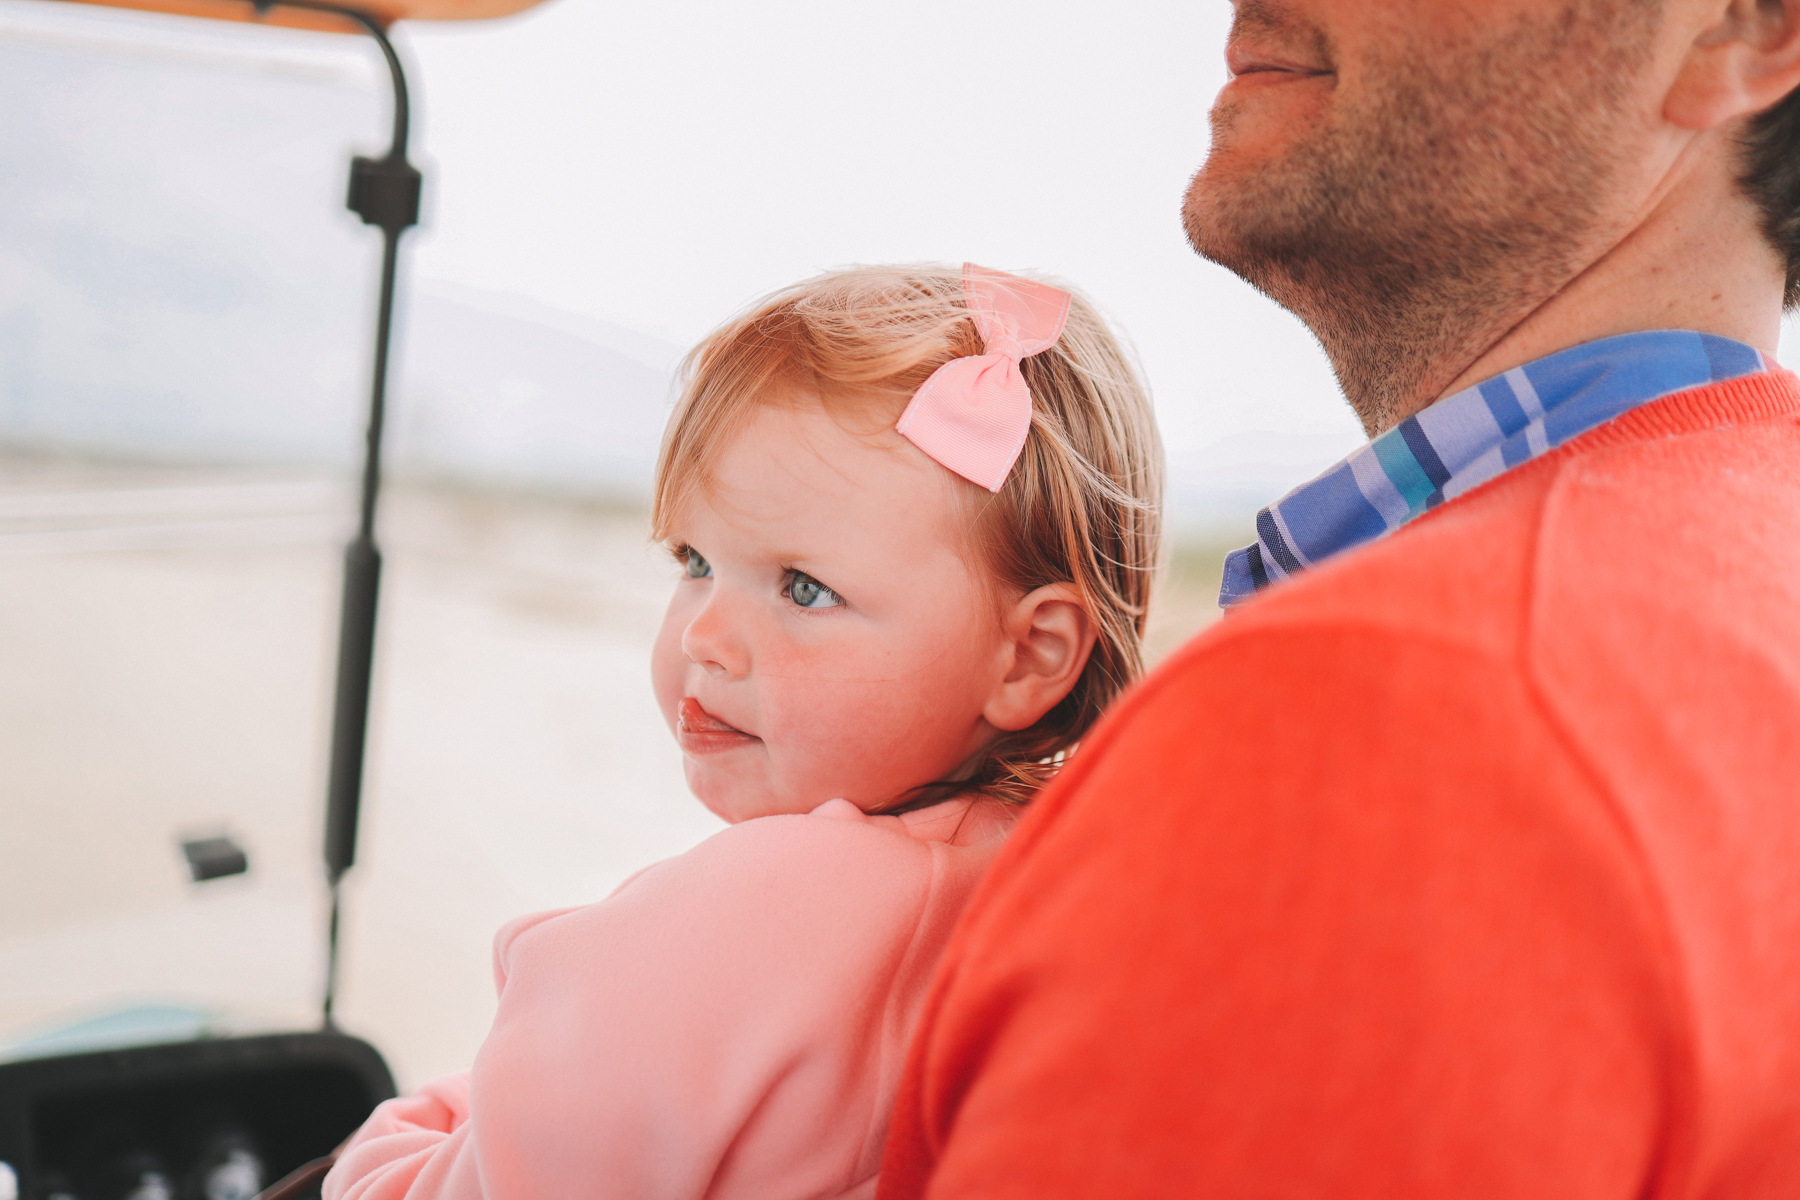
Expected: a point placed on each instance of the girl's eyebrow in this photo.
(811, 565)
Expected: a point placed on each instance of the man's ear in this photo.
(1049, 637)
(1745, 59)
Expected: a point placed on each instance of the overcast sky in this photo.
(659, 165)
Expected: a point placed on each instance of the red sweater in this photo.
(1466, 865)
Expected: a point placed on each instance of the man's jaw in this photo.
(1382, 212)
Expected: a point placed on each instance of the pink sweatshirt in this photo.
(731, 1023)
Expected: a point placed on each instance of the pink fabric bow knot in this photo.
(972, 415)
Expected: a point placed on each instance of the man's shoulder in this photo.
(1673, 515)
(1609, 627)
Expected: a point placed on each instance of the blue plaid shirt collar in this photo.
(1466, 439)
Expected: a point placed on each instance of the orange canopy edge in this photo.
(385, 12)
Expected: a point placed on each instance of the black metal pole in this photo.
(384, 192)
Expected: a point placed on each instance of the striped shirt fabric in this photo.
(1468, 438)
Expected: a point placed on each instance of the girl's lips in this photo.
(699, 732)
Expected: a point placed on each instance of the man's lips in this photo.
(1242, 59)
(699, 731)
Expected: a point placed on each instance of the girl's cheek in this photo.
(668, 664)
(842, 731)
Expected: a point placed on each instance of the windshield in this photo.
(185, 316)
(185, 332)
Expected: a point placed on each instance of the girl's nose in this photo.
(714, 638)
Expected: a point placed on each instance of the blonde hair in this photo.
(1081, 506)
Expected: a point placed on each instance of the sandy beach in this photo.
(166, 641)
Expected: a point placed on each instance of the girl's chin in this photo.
(736, 788)
(734, 800)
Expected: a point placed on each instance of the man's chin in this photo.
(1214, 214)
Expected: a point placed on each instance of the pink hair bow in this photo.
(972, 415)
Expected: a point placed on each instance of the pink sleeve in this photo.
(405, 1136)
(402, 1138)
(731, 1023)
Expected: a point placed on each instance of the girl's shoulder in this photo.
(747, 1003)
(832, 844)
(835, 850)
(832, 878)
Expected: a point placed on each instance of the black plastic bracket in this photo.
(214, 858)
(385, 192)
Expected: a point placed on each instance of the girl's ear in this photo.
(1745, 59)
(1049, 637)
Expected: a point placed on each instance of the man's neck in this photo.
(1696, 260)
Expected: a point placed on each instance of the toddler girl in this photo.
(914, 513)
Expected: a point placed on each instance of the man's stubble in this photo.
(1440, 204)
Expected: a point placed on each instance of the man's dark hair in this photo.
(1771, 176)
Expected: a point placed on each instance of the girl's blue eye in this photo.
(697, 566)
(808, 592)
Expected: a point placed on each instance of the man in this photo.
(1462, 861)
